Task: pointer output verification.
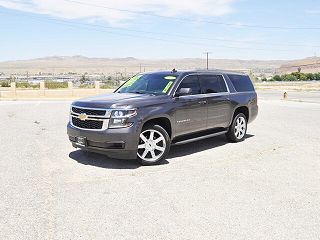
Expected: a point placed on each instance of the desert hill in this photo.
(307, 65)
(81, 64)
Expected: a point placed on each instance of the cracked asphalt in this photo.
(267, 187)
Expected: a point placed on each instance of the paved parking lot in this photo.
(267, 187)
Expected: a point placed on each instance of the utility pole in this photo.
(140, 68)
(207, 53)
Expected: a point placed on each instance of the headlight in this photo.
(121, 118)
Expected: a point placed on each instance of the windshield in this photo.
(154, 83)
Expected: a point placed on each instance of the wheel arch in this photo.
(241, 109)
(163, 121)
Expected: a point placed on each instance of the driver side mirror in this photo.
(183, 92)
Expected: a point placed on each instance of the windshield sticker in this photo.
(132, 81)
(170, 78)
(165, 90)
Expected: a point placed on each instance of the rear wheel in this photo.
(154, 145)
(238, 128)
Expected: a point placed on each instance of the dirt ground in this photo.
(267, 187)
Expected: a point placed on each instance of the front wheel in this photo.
(238, 128)
(154, 145)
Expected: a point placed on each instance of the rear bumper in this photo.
(253, 113)
(119, 143)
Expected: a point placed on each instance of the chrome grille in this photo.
(87, 124)
(94, 112)
(89, 118)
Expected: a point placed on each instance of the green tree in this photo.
(310, 76)
(277, 78)
(303, 77)
(83, 78)
(316, 76)
(289, 77)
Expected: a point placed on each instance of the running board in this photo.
(199, 138)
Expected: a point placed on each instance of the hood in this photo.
(119, 100)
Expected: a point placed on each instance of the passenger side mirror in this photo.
(183, 92)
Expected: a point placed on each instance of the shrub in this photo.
(277, 78)
(316, 76)
(107, 86)
(310, 76)
(4, 84)
(27, 85)
(55, 85)
(86, 86)
(289, 77)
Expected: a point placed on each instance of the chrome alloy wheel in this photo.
(240, 128)
(152, 145)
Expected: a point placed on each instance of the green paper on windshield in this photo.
(170, 78)
(132, 81)
(165, 90)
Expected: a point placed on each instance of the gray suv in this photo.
(153, 111)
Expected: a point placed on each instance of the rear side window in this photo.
(191, 82)
(241, 83)
(213, 84)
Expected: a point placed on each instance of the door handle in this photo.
(202, 102)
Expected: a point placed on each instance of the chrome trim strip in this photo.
(101, 109)
(107, 114)
(90, 118)
(202, 94)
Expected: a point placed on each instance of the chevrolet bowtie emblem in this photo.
(83, 116)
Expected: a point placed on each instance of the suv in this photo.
(153, 111)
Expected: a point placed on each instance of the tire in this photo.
(153, 151)
(238, 128)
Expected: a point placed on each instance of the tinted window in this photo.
(157, 83)
(191, 82)
(241, 83)
(213, 83)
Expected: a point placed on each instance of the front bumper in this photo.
(121, 143)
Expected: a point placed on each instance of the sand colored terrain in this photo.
(80, 64)
(308, 65)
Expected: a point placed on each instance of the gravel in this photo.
(267, 187)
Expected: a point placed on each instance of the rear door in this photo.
(191, 110)
(218, 102)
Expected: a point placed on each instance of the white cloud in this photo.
(73, 9)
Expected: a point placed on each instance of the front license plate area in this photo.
(81, 141)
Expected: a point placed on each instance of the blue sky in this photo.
(162, 29)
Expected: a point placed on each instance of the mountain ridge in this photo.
(81, 64)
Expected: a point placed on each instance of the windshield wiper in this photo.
(144, 92)
(139, 92)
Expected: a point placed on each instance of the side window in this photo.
(241, 83)
(191, 82)
(213, 84)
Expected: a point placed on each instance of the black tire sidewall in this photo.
(168, 144)
(231, 134)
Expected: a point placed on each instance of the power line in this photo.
(191, 20)
(91, 27)
(185, 36)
